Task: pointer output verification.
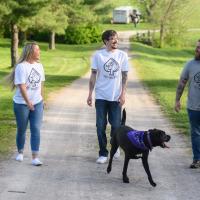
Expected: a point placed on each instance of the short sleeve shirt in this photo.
(191, 72)
(109, 66)
(32, 76)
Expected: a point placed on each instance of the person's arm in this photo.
(179, 91)
(42, 90)
(22, 88)
(124, 83)
(43, 93)
(91, 86)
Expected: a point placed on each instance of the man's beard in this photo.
(197, 56)
(114, 46)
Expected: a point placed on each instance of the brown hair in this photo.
(107, 34)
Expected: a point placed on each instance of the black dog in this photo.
(136, 144)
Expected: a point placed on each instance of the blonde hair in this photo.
(26, 54)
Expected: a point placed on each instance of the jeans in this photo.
(23, 115)
(194, 117)
(106, 111)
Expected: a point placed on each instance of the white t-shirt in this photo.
(109, 66)
(32, 75)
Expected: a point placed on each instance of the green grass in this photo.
(127, 27)
(62, 66)
(159, 70)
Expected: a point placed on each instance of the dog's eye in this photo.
(164, 137)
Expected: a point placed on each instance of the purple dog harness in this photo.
(137, 139)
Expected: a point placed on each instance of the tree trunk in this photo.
(161, 35)
(163, 22)
(149, 7)
(14, 44)
(52, 40)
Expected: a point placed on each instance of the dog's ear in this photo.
(152, 130)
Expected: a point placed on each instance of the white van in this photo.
(122, 14)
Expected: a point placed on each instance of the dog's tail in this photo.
(123, 117)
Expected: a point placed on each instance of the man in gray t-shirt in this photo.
(191, 74)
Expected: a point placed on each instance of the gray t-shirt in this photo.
(191, 72)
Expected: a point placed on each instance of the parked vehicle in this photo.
(125, 14)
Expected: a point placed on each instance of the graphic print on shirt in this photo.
(34, 79)
(111, 67)
(197, 79)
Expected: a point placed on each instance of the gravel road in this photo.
(69, 151)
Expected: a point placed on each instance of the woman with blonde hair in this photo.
(28, 77)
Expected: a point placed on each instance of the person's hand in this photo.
(89, 100)
(121, 100)
(44, 105)
(177, 106)
(30, 106)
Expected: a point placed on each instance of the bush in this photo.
(41, 36)
(175, 36)
(150, 38)
(85, 34)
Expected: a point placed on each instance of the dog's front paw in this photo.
(125, 179)
(153, 184)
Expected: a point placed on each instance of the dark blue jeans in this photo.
(194, 117)
(106, 111)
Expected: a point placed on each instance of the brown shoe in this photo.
(195, 164)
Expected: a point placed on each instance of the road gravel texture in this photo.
(69, 150)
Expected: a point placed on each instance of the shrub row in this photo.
(74, 34)
(83, 34)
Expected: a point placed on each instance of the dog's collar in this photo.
(137, 139)
(149, 140)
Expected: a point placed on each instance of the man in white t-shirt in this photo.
(109, 71)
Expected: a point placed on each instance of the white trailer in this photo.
(122, 14)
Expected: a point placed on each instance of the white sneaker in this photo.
(101, 160)
(117, 154)
(19, 157)
(36, 162)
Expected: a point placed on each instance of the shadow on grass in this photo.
(170, 62)
(5, 45)
(162, 52)
(168, 85)
(56, 81)
(79, 48)
(72, 48)
(3, 73)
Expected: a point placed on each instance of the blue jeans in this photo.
(23, 115)
(194, 117)
(106, 111)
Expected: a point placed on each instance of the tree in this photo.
(170, 16)
(52, 18)
(18, 10)
(147, 7)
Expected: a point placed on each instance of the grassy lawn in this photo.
(62, 66)
(127, 27)
(159, 69)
